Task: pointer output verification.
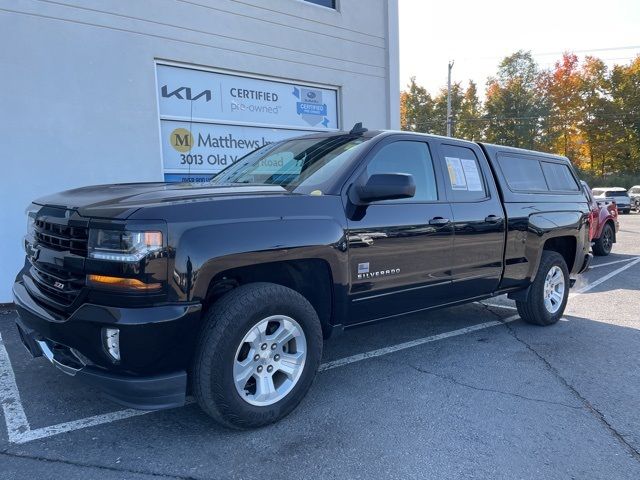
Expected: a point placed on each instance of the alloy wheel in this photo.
(554, 286)
(269, 360)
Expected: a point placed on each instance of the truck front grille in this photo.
(55, 284)
(62, 237)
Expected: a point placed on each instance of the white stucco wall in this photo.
(77, 82)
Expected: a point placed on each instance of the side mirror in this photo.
(382, 186)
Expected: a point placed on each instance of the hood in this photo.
(122, 200)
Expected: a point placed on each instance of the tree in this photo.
(439, 120)
(470, 125)
(598, 116)
(513, 105)
(563, 103)
(416, 108)
(625, 89)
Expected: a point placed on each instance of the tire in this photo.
(535, 310)
(603, 245)
(230, 331)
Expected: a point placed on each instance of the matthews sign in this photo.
(210, 119)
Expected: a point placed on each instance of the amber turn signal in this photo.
(122, 283)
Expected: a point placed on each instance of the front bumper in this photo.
(151, 336)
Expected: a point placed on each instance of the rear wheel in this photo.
(548, 293)
(257, 356)
(603, 245)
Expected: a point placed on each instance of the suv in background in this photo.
(634, 195)
(619, 194)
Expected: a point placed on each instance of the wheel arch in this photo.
(565, 246)
(311, 277)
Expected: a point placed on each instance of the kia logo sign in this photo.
(184, 93)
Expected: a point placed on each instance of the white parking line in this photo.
(14, 416)
(614, 262)
(594, 284)
(19, 430)
(35, 434)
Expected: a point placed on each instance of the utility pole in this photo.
(449, 119)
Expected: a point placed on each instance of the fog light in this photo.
(111, 338)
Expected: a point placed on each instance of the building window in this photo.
(324, 3)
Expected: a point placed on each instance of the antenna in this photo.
(358, 129)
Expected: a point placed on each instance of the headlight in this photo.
(123, 246)
(31, 212)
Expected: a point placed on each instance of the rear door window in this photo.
(464, 174)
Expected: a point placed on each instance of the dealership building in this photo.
(110, 91)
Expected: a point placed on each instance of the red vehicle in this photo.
(603, 223)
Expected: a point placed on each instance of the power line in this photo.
(568, 50)
(611, 49)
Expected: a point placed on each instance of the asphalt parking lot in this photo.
(467, 392)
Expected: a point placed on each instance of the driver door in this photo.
(400, 251)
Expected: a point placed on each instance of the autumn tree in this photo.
(561, 91)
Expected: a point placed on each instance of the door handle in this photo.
(492, 219)
(438, 221)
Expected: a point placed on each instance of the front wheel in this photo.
(603, 245)
(257, 356)
(548, 293)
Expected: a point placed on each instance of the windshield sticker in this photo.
(456, 173)
(471, 173)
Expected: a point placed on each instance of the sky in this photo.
(476, 35)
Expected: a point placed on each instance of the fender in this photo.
(529, 232)
(314, 228)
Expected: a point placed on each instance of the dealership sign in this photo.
(208, 120)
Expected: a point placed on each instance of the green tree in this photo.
(469, 124)
(625, 89)
(416, 108)
(438, 125)
(598, 122)
(513, 104)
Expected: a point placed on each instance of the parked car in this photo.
(603, 223)
(634, 195)
(229, 286)
(620, 195)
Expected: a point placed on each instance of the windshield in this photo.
(304, 162)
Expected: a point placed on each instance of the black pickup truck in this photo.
(226, 289)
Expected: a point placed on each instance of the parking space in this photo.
(469, 391)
